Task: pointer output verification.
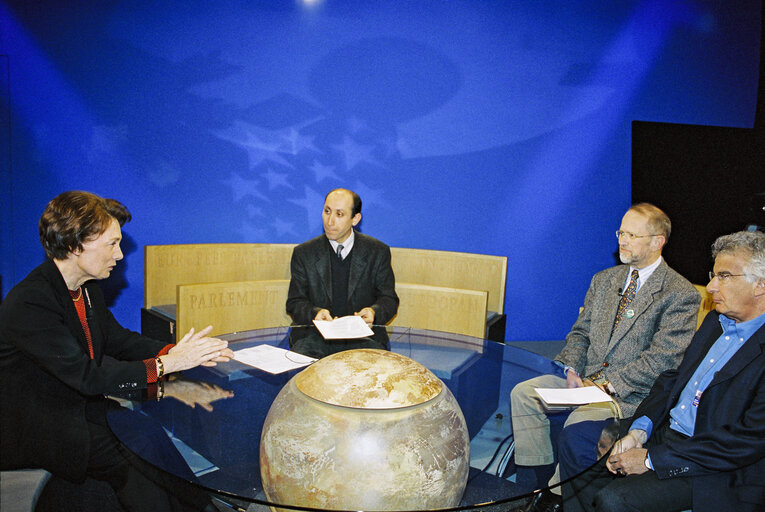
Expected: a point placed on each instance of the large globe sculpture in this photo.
(365, 430)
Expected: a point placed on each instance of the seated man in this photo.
(62, 351)
(339, 273)
(698, 441)
(637, 320)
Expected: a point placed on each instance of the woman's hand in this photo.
(195, 349)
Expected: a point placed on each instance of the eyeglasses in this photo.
(723, 276)
(630, 236)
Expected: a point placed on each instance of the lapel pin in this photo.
(629, 313)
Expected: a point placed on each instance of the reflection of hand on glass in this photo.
(193, 393)
(608, 437)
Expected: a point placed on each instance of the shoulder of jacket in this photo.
(38, 286)
(366, 239)
(610, 272)
(677, 281)
(310, 244)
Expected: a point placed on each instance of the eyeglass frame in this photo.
(723, 277)
(630, 236)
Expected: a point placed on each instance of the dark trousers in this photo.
(580, 443)
(599, 490)
(138, 485)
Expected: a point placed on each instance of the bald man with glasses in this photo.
(637, 320)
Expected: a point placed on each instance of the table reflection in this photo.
(208, 427)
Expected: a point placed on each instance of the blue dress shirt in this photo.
(682, 417)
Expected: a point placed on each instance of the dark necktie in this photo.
(629, 294)
(340, 252)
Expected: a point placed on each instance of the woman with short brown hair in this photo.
(61, 351)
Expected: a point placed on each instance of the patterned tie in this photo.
(629, 294)
(340, 252)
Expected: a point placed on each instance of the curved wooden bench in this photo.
(232, 306)
(441, 309)
(167, 268)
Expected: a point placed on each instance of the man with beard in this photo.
(637, 320)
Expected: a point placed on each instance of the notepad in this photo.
(573, 396)
(345, 327)
(272, 359)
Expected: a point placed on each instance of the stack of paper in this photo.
(345, 327)
(573, 396)
(272, 359)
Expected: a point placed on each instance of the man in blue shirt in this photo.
(698, 439)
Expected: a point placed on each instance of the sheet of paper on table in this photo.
(272, 359)
(345, 327)
(573, 396)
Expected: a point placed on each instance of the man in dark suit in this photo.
(342, 272)
(636, 322)
(698, 439)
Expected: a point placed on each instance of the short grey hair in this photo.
(752, 242)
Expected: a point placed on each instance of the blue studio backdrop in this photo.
(488, 126)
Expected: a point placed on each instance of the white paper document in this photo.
(272, 359)
(345, 327)
(573, 396)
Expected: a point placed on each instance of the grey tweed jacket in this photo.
(653, 340)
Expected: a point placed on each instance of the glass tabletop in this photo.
(208, 428)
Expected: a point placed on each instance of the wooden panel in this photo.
(167, 266)
(232, 306)
(453, 270)
(441, 309)
(706, 304)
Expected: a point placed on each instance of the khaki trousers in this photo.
(531, 426)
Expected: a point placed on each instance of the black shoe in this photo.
(545, 501)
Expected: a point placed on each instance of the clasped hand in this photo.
(628, 455)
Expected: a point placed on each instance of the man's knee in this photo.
(613, 498)
(523, 392)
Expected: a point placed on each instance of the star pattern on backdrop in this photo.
(297, 142)
(250, 231)
(283, 227)
(311, 202)
(260, 144)
(241, 187)
(295, 166)
(355, 153)
(254, 211)
(371, 197)
(322, 172)
(276, 179)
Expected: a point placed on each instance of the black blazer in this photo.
(370, 284)
(50, 386)
(724, 457)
